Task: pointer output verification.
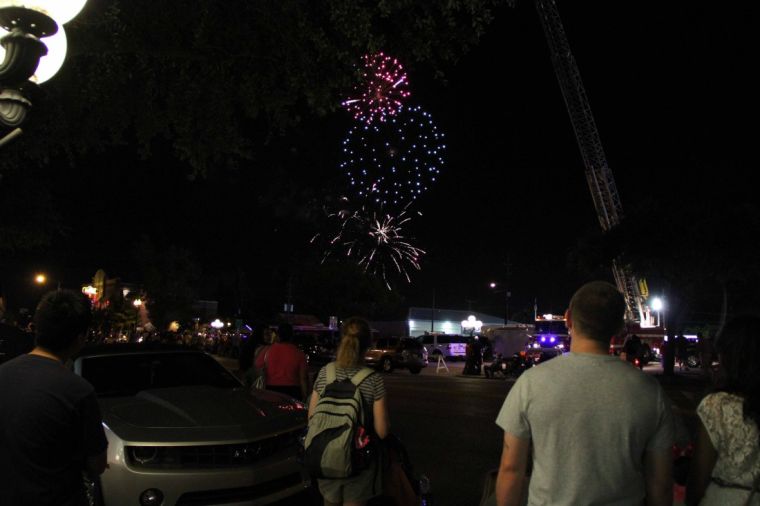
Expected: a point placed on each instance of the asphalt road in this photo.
(446, 421)
(447, 425)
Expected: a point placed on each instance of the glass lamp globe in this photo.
(62, 11)
(53, 60)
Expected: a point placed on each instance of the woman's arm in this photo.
(702, 465)
(380, 412)
(313, 402)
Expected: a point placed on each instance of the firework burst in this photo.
(382, 88)
(390, 164)
(374, 240)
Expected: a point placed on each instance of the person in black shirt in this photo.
(50, 425)
(632, 348)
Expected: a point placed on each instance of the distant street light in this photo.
(657, 305)
(42, 279)
(137, 303)
(507, 295)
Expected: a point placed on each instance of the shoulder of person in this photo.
(715, 400)
(377, 379)
(83, 387)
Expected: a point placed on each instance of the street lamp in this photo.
(32, 50)
(507, 295)
(657, 305)
(42, 279)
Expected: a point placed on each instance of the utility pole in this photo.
(432, 314)
(289, 304)
(507, 293)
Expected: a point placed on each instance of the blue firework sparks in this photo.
(391, 163)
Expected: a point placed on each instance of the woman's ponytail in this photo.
(355, 339)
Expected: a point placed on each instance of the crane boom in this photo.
(600, 179)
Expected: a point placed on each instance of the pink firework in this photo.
(383, 87)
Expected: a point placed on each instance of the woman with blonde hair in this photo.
(355, 339)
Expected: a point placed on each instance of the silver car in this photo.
(182, 430)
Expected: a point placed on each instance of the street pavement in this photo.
(685, 388)
(446, 421)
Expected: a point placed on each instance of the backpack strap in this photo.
(330, 373)
(360, 376)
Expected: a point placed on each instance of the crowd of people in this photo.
(584, 428)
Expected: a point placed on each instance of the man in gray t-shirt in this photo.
(601, 431)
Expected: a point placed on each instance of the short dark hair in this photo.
(597, 310)
(285, 332)
(738, 345)
(61, 317)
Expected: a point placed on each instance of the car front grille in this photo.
(209, 456)
(208, 497)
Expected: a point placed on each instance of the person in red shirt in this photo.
(285, 365)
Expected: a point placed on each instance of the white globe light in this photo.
(62, 11)
(53, 60)
(656, 304)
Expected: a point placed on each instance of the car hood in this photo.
(200, 413)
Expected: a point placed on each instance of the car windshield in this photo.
(411, 344)
(556, 327)
(128, 374)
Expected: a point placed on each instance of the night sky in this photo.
(669, 87)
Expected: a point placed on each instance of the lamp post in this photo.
(32, 50)
(507, 295)
(138, 305)
(657, 306)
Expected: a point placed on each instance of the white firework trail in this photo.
(375, 240)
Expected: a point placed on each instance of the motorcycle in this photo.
(508, 367)
(634, 360)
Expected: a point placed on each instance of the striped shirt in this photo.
(372, 388)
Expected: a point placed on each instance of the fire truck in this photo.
(550, 331)
(651, 340)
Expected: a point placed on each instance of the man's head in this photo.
(285, 332)
(596, 311)
(61, 318)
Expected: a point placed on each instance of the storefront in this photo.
(423, 320)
